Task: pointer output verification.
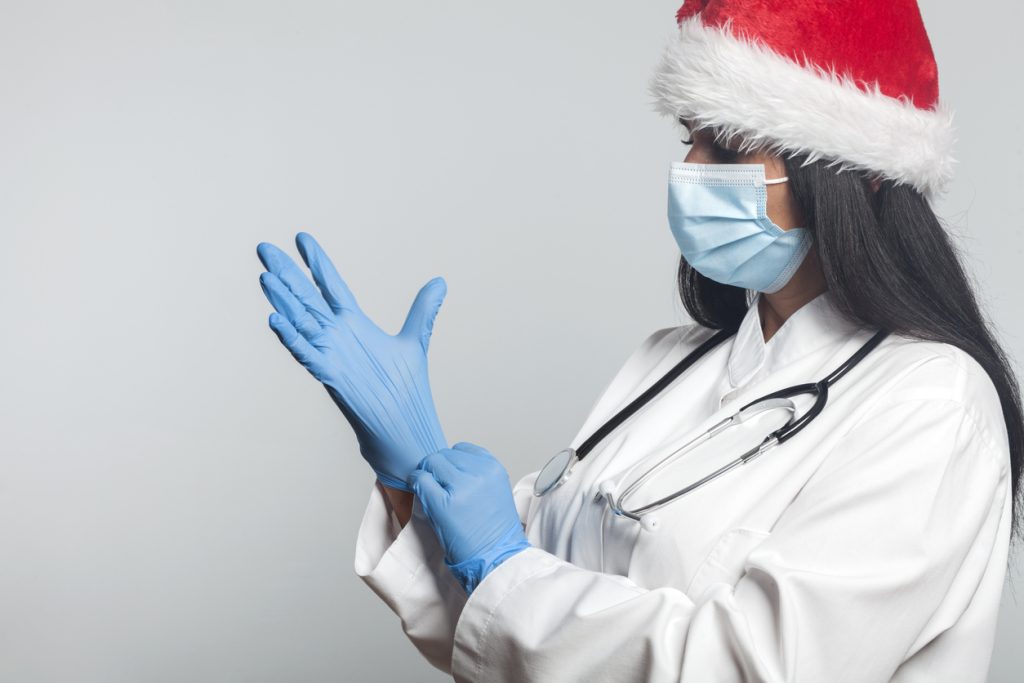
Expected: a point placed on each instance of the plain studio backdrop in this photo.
(179, 499)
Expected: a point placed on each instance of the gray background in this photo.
(179, 499)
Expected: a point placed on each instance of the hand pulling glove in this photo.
(378, 380)
(466, 495)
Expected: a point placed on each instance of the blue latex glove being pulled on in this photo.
(467, 497)
(378, 380)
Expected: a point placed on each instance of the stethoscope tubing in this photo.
(819, 389)
(779, 398)
(656, 388)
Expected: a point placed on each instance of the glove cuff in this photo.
(469, 573)
(393, 483)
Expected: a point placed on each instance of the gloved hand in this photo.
(378, 380)
(467, 497)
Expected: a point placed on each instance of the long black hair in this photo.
(889, 263)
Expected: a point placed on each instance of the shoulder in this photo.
(915, 371)
(686, 335)
(937, 370)
(647, 353)
(651, 351)
(656, 345)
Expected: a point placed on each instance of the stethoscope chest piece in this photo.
(555, 472)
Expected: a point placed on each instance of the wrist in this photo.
(472, 571)
(400, 502)
(392, 483)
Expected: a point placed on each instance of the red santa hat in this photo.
(847, 80)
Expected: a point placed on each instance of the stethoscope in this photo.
(559, 468)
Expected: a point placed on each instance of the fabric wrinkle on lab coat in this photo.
(870, 547)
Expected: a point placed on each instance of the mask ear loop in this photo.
(776, 181)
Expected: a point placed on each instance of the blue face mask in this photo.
(718, 215)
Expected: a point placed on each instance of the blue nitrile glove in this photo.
(466, 495)
(378, 380)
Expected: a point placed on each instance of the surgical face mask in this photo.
(718, 215)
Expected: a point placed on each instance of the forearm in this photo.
(401, 503)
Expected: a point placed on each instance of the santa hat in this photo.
(847, 80)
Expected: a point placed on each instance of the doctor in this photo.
(871, 546)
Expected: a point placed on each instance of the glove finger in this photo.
(282, 265)
(419, 323)
(470, 447)
(441, 467)
(426, 488)
(469, 457)
(464, 451)
(300, 348)
(285, 303)
(335, 291)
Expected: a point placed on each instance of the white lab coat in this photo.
(871, 547)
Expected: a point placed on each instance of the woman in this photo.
(872, 546)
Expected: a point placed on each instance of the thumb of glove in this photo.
(420, 322)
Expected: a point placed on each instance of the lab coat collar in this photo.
(814, 325)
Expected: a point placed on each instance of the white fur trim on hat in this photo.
(742, 87)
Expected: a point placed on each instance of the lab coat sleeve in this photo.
(405, 567)
(845, 587)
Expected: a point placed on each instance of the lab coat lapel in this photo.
(813, 326)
